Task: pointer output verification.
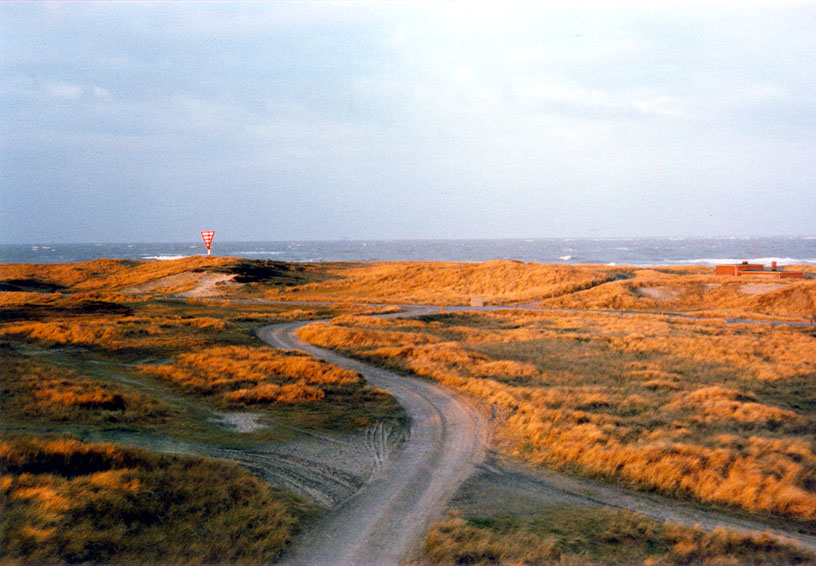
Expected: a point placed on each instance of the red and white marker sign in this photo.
(207, 236)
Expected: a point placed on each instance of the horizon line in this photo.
(364, 240)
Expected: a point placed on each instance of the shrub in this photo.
(641, 399)
(246, 375)
(64, 501)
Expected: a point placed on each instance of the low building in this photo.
(746, 268)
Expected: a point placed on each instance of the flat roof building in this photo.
(746, 268)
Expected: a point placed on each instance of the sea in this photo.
(609, 251)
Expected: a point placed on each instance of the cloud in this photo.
(578, 97)
(64, 90)
(518, 108)
(100, 92)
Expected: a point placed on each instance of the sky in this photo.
(150, 121)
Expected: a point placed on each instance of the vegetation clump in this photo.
(246, 375)
(589, 536)
(690, 408)
(35, 390)
(496, 282)
(66, 501)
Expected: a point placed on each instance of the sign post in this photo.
(207, 236)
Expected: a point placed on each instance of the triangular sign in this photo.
(207, 236)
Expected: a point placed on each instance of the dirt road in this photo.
(385, 520)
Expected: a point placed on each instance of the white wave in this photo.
(163, 257)
(565, 257)
(780, 260)
(257, 253)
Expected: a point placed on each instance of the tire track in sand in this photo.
(385, 520)
(410, 488)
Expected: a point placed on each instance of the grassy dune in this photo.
(496, 282)
(34, 390)
(65, 501)
(720, 413)
(200, 348)
(698, 409)
(83, 356)
(116, 275)
(699, 292)
(588, 537)
(691, 289)
(292, 385)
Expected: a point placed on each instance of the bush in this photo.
(65, 501)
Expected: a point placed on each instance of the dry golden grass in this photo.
(212, 351)
(683, 288)
(11, 299)
(700, 292)
(159, 277)
(700, 409)
(703, 409)
(85, 332)
(333, 336)
(114, 327)
(35, 390)
(247, 375)
(107, 274)
(106, 332)
(597, 536)
(496, 282)
(64, 501)
(720, 403)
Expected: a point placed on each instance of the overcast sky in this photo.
(275, 121)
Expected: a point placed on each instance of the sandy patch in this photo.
(660, 293)
(187, 284)
(240, 422)
(759, 288)
(211, 284)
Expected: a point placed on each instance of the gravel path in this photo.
(445, 458)
(384, 521)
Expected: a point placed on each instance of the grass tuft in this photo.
(648, 401)
(65, 501)
(590, 536)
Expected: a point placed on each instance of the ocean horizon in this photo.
(617, 251)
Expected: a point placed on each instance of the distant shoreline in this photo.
(636, 252)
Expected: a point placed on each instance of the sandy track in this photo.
(384, 521)
(504, 486)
